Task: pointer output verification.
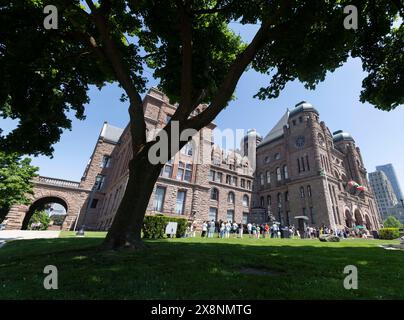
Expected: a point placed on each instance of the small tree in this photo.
(16, 175)
(392, 222)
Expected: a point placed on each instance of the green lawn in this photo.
(196, 268)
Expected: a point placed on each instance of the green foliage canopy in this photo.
(40, 217)
(16, 175)
(392, 222)
(46, 74)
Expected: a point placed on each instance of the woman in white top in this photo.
(204, 229)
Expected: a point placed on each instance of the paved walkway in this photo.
(6, 235)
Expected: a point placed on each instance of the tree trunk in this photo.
(125, 231)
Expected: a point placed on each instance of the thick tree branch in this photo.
(123, 74)
(237, 68)
(185, 29)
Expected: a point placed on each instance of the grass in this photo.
(195, 268)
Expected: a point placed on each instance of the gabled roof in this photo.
(277, 130)
(111, 133)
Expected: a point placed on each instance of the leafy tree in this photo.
(40, 217)
(392, 222)
(58, 219)
(16, 175)
(195, 56)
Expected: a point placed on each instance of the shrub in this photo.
(389, 233)
(154, 227)
(392, 222)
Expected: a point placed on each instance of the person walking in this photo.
(254, 230)
(258, 231)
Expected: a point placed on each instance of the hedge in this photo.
(389, 233)
(154, 227)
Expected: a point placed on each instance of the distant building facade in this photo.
(300, 169)
(304, 173)
(389, 171)
(218, 189)
(384, 193)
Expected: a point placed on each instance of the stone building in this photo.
(197, 183)
(299, 173)
(306, 174)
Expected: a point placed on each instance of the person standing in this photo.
(249, 229)
(240, 230)
(266, 230)
(254, 230)
(228, 229)
(204, 229)
(222, 230)
(235, 227)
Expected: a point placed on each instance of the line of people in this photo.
(226, 229)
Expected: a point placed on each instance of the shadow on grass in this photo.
(199, 270)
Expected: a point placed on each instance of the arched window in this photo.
(277, 156)
(269, 200)
(261, 179)
(246, 201)
(268, 173)
(286, 196)
(262, 202)
(285, 172)
(301, 192)
(279, 198)
(278, 174)
(230, 197)
(214, 194)
(309, 191)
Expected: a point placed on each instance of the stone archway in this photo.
(358, 217)
(348, 218)
(40, 204)
(46, 190)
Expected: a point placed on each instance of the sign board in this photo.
(171, 228)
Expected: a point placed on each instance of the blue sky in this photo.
(379, 134)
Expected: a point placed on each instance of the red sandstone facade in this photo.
(300, 169)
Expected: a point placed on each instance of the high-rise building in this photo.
(383, 190)
(388, 169)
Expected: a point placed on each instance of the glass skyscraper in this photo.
(389, 171)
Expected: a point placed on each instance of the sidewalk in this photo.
(7, 235)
